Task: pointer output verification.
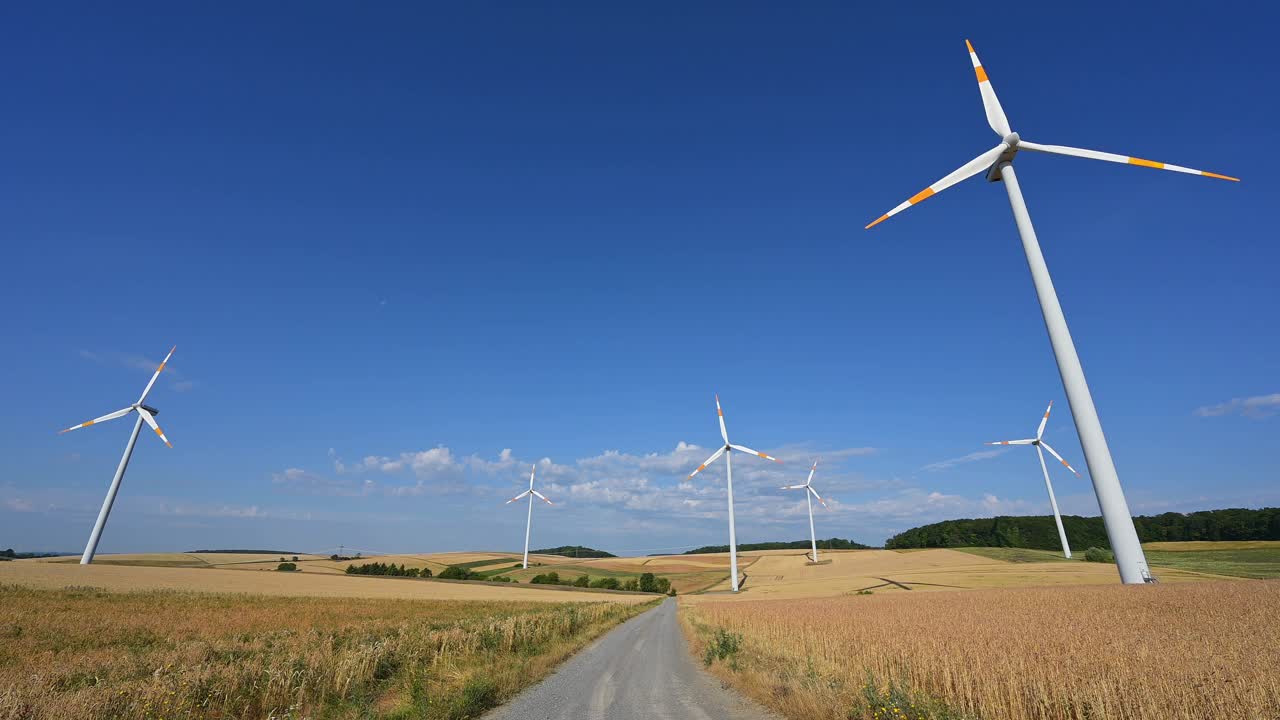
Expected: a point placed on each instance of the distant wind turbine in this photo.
(809, 495)
(145, 413)
(1039, 442)
(529, 524)
(726, 450)
(997, 163)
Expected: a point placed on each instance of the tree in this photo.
(454, 572)
(608, 583)
(286, 567)
(582, 581)
(647, 583)
(631, 584)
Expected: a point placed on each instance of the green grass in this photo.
(482, 563)
(1020, 555)
(1250, 563)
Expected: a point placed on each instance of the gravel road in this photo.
(640, 669)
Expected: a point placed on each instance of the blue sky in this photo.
(405, 251)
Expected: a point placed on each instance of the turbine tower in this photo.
(529, 523)
(726, 450)
(809, 496)
(997, 163)
(147, 414)
(1039, 442)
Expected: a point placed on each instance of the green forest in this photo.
(1038, 532)
(577, 551)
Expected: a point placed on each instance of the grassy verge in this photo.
(85, 653)
(1246, 563)
(1020, 555)
(1163, 652)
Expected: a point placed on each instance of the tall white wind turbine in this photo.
(529, 524)
(726, 450)
(997, 163)
(147, 414)
(809, 495)
(1039, 442)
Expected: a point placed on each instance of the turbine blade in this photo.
(990, 103)
(1055, 454)
(811, 471)
(815, 494)
(749, 451)
(720, 413)
(966, 171)
(714, 456)
(157, 374)
(1012, 442)
(526, 492)
(152, 422)
(531, 473)
(1122, 159)
(793, 487)
(543, 497)
(95, 421)
(1044, 421)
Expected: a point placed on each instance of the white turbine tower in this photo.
(1039, 442)
(997, 163)
(809, 495)
(726, 450)
(145, 413)
(529, 524)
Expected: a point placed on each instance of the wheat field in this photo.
(119, 578)
(1162, 652)
(88, 654)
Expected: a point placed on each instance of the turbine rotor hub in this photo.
(1012, 139)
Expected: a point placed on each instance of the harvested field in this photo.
(197, 655)
(1160, 652)
(304, 584)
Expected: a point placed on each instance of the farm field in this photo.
(125, 578)
(1258, 559)
(786, 574)
(1163, 652)
(168, 654)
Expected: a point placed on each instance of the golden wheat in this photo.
(89, 654)
(1165, 652)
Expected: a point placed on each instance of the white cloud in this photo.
(18, 505)
(963, 459)
(177, 381)
(1256, 407)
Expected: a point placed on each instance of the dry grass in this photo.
(303, 584)
(89, 654)
(1163, 652)
(1219, 545)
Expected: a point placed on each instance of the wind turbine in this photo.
(809, 496)
(997, 163)
(529, 524)
(1039, 442)
(726, 450)
(145, 413)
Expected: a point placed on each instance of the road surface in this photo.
(641, 669)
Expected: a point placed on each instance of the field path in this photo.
(641, 669)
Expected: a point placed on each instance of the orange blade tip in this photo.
(968, 44)
(878, 220)
(1221, 177)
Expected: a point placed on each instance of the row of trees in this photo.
(391, 569)
(648, 582)
(576, 551)
(831, 544)
(1039, 532)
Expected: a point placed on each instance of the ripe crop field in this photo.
(84, 653)
(787, 574)
(302, 584)
(1162, 652)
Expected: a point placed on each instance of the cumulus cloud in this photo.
(964, 459)
(1256, 407)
